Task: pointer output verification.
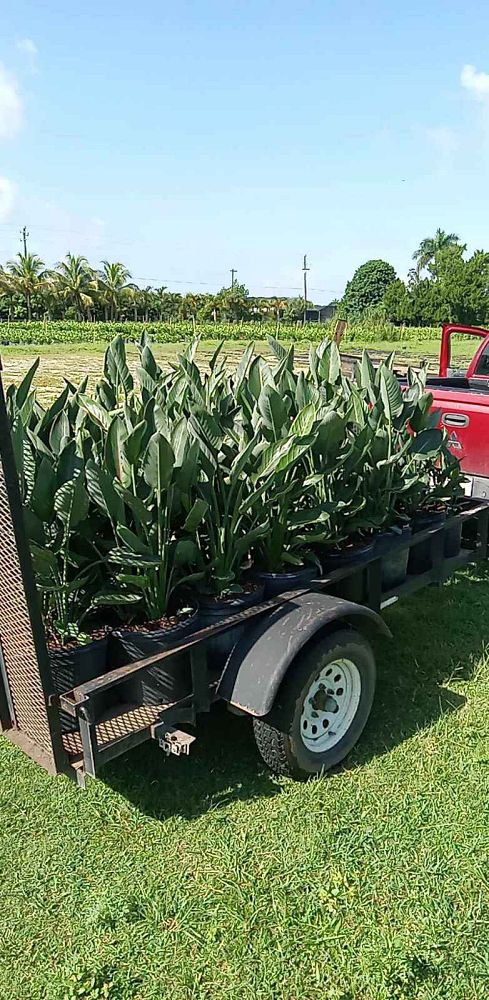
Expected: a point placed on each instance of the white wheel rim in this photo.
(330, 705)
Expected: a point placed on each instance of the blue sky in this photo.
(188, 138)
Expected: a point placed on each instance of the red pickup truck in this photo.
(462, 396)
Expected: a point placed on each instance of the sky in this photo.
(188, 138)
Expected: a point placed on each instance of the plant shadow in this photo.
(438, 638)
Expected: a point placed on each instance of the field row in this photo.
(67, 331)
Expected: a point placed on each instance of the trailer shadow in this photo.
(223, 767)
(438, 638)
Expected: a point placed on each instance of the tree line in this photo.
(444, 285)
(73, 289)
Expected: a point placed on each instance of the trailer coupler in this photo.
(172, 740)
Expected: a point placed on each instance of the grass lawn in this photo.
(208, 878)
(76, 360)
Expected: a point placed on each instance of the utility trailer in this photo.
(301, 664)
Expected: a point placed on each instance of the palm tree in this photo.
(113, 281)
(430, 246)
(26, 276)
(76, 283)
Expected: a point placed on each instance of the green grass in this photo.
(208, 878)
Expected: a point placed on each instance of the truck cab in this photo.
(461, 394)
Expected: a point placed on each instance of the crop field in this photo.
(209, 879)
(73, 332)
(75, 360)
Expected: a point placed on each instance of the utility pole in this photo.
(305, 269)
(24, 234)
(233, 272)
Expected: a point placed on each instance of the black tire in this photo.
(278, 735)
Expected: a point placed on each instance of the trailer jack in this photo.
(172, 740)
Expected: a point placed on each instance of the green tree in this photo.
(294, 309)
(76, 284)
(26, 276)
(113, 282)
(431, 245)
(397, 303)
(367, 287)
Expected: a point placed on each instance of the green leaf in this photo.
(60, 433)
(95, 411)
(55, 408)
(304, 421)
(158, 463)
(133, 541)
(427, 443)
(125, 557)
(111, 598)
(140, 510)
(390, 392)
(281, 455)
(24, 387)
(278, 349)
(186, 553)
(195, 515)
(134, 442)
(45, 562)
(140, 580)
(272, 410)
(115, 366)
(43, 493)
(115, 456)
(71, 502)
(101, 489)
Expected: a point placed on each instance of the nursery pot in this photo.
(71, 666)
(213, 610)
(352, 587)
(454, 529)
(420, 555)
(453, 539)
(394, 556)
(166, 683)
(278, 583)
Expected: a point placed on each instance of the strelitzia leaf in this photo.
(158, 463)
(71, 502)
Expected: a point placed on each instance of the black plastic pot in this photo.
(212, 611)
(394, 559)
(420, 560)
(278, 583)
(352, 587)
(73, 666)
(453, 539)
(166, 683)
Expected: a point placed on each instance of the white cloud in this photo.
(28, 46)
(477, 83)
(11, 109)
(30, 51)
(444, 139)
(7, 198)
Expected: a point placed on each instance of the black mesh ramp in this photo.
(24, 663)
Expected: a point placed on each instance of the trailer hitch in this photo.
(172, 740)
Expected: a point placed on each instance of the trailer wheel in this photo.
(321, 708)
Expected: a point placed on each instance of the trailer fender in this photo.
(259, 661)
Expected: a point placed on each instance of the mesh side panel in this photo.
(21, 663)
(131, 721)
